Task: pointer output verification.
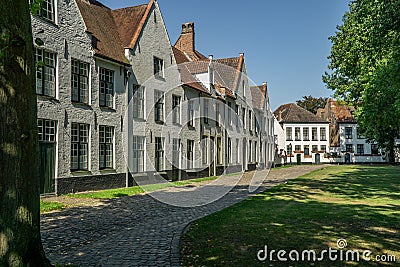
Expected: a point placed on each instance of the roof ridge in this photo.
(141, 24)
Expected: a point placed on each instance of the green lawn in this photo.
(135, 190)
(358, 203)
(47, 206)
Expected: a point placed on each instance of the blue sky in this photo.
(285, 42)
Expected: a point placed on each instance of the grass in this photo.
(358, 203)
(50, 206)
(135, 190)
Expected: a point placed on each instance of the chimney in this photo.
(211, 72)
(185, 42)
(265, 88)
(280, 116)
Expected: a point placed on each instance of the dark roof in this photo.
(127, 21)
(291, 113)
(258, 96)
(100, 23)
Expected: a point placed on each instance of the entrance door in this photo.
(47, 169)
(347, 158)
(298, 159)
(317, 158)
(176, 159)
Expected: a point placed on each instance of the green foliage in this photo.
(312, 104)
(364, 67)
(46, 206)
(35, 6)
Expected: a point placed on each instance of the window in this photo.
(138, 154)
(158, 67)
(138, 101)
(217, 114)
(229, 113)
(349, 148)
(323, 148)
(176, 152)
(289, 134)
(176, 109)
(244, 117)
(250, 151)
(314, 148)
(106, 146)
(159, 153)
(289, 149)
(237, 151)
(255, 152)
(314, 133)
(306, 150)
(306, 134)
(191, 113)
(219, 150)
(229, 150)
(360, 149)
(297, 148)
(46, 74)
(249, 121)
(190, 151)
(46, 10)
(47, 130)
(297, 134)
(322, 132)
(80, 81)
(204, 143)
(79, 146)
(348, 132)
(106, 88)
(158, 106)
(374, 149)
(237, 114)
(205, 110)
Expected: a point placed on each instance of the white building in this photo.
(306, 135)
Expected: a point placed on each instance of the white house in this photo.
(306, 135)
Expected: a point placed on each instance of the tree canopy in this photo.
(364, 64)
(311, 103)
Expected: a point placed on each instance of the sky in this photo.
(285, 42)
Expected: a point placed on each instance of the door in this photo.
(347, 158)
(213, 157)
(317, 158)
(47, 167)
(176, 159)
(298, 159)
(244, 154)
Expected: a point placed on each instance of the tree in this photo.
(20, 243)
(312, 104)
(364, 69)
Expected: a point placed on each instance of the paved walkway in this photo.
(137, 230)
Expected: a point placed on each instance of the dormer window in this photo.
(158, 67)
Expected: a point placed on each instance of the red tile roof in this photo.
(100, 23)
(258, 95)
(291, 113)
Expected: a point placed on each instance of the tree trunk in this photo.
(20, 243)
(392, 159)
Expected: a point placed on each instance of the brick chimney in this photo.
(265, 89)
(185, 42)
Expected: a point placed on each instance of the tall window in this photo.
(205, 149)
(229, 113)
(323, 148)
(348, 131)
(205, 110)
(244, 117)
(159, 153)
(322, 131)
(229, 150)
(176, 151)
(255, 152)
(158, 106)
(314, 133)
(217, 114)
(219, 150)
(138, 101)
(47, 130)
(191, 113)
(106, 146)
(138, 154)
(158, 67)
(250, 151)
(289, 150)
(46, 10)
(289, 134)
(306, 134)
(360, 149)
(237, 151)
(106, 88)
(306, 150)
(46, 74)
(297, 135)
(237, 114)
(80, 81)
(249, 121)
(190, 151)
(79, 146)
(374, 149)
(176, 109)
(314, 148)
(349, 148)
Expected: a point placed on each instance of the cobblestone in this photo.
(137, 230)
